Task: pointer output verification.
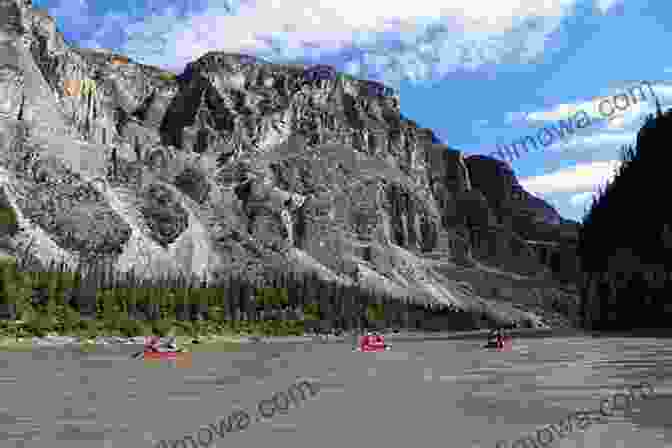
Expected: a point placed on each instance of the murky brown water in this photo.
(431, 394)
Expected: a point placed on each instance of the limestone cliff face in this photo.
(237, 163)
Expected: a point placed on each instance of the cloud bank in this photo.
(578, 178)
(420, 41)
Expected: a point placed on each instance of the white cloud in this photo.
(581, 198)
(578, 178)
(601, 139)
(417, 40)
(565, 111)
(619, 109)
(590, 143)
(606, 5)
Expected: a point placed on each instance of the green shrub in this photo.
(272, 297)
(272, 328)
(110, 311)
(183, 328)
(39, 325)
(8, 221)
(311, 311)
(130, 328)
(15, 287)
(167, 76)
(375, 312)
(167, 304)
(89, 328)
(69, 320)
(161, 327)
(278, 328)
(216, 314)
(346, 76)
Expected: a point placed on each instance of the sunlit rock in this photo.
(11, 91)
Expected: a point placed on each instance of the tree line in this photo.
(99, 300)
(625, 240)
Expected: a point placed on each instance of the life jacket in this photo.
(504, 342)
(152, 343)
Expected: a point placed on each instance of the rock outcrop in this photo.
(240, 164)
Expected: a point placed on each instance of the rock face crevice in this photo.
(322, 173)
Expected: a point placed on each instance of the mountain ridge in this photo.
(241, 164)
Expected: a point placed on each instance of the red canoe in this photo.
(373, 343)
(183, 359)
(159, 355)
(507, 342)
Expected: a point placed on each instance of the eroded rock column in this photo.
(11, 92)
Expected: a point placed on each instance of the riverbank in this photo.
(231, 342)
(434, 336)
(191, 344)
(634, 333)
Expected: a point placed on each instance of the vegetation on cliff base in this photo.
(167, 76)
(99, 302)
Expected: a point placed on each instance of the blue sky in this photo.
(477, 72)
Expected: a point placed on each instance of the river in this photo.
(419, 394)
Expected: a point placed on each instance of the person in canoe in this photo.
(153, 344)
(492, 339)
(373, 342)
(168, 346)
(495, 338)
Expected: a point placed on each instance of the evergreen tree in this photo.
(623, 219)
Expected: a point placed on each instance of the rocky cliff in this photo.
(240, 164)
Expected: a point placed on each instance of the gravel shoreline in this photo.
(56, 340)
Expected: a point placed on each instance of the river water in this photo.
(419, 394)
